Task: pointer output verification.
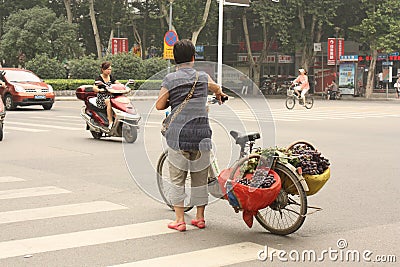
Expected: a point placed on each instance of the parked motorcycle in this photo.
(126, 118)
(2, 115)
(332, 95)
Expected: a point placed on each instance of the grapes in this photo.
(311, 161)
(262, 178)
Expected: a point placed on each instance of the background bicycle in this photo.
(292, 97)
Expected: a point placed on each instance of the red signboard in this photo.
(331, 51)
(119, 45)
(340, 42)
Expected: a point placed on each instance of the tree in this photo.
(381, 30)
(92, 15)
(36, 31)
(187, 19)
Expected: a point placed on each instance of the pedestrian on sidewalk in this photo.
(397, 86)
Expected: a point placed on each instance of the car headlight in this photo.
(50, 88)
(19, 88)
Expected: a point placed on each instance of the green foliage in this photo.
(126, 66)
(73, 84)
(154, 65)
(46, 67)
(84, 68)
(36, 31)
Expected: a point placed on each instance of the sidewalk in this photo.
(145, 95)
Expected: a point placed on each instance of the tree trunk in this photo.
(165, 14)
(254, 75)
(196, 33)
(371, 74)
(109, 47)
(137, 38)
(95, 29)
(67, 4)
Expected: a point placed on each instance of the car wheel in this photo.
(47, 106)
(1, 131)
(9, 103)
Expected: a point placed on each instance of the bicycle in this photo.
(283, 216)
(291, 99)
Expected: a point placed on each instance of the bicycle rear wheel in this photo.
(288, 212)
(290, 102)
(309, 102)
(164, 184)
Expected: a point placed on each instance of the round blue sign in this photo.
(170, 38)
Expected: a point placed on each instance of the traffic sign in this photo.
(170, 39)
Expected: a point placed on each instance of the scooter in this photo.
(332, 95)
(126, 118)
(2, 116)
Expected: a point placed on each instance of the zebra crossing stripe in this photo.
(58, 211)
(9, 179)
(32, 192)
(24, 129)
(218, 256)
(44, 126)
(42, 244)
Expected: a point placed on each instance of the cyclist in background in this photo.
(303, 85)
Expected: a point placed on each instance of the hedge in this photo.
(73, 84)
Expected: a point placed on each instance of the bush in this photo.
(46, 67)
(84, 68)
(126, 66)
(73, 84)
(154, 65)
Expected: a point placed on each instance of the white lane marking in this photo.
(58, 211)
(84, 238)
(45, 126)
(9, 179)
(24, 129)
(60, 120)
(212, 257)
(32, 192)
(71, 117)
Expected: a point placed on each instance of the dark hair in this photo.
(105, 65)
(184, 51)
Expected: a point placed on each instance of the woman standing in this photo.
(189, 134)
(103, 98)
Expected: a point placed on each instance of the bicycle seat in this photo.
(242, 138)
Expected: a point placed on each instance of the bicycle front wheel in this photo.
(164, 184)
(290, 102)
(288, 212)
(309, 102)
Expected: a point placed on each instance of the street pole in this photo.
(322, 67)
(118, 25)
(220, 38)
(387, 83)
(337, 29)
(170, 28)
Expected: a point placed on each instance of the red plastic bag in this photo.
(248, 199)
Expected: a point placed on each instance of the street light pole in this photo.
(170, 28)
(118, 25)
(337, 29)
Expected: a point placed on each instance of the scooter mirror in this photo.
(131, 81)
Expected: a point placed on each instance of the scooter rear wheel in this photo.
(96, 135)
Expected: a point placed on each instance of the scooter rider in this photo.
(333, 91)
(103, 98)
(304, 86)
